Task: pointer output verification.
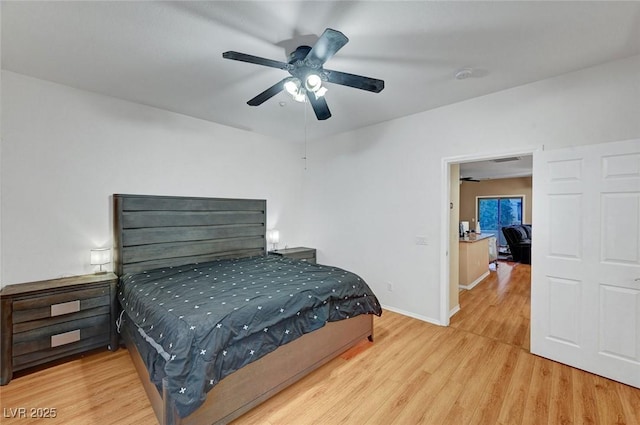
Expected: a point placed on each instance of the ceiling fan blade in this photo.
(355, 81)
(243, 57)
(267, 94)
(327, 45)
(320, 107)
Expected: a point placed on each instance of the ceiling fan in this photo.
(308, 74)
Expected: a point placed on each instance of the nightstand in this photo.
(299, 253)
(52, 319)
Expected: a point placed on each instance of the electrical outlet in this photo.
(390, 287)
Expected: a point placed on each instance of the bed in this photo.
(200, 296)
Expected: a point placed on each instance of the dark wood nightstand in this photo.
(299, 253)
(51, 319)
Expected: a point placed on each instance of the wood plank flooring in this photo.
(499, 307)
(477, 371)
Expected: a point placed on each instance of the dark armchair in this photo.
(519, 240)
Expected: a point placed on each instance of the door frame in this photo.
(445, 223)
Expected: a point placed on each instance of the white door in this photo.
(585, 275)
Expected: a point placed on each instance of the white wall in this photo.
(367, 194)
(66, 151)
(370, 192)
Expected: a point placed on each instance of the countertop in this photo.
(479, 237)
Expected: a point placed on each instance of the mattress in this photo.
(202, 322)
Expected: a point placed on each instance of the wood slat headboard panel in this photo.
(157, 231)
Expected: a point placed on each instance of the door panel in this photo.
(621, 166)
(565, 238)
(618, 335)
(620, 228)
(564, 301)
(565, 170)
(585, 294)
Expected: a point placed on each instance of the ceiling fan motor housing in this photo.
(301, 68)
(299, 54)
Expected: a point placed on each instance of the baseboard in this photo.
(454, 310)
(475, 282)
(415, 316)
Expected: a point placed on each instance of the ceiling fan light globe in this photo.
(313, 82)
(320, 92)
(292, 86)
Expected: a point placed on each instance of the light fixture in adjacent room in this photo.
(274, 238)
(100, 257)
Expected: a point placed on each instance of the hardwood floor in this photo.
(499, 308)
(477, 371)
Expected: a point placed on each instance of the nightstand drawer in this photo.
(37, 302)
(40, 356)
(30, 319)
(46, 326)
(59, 337)
(64, 302)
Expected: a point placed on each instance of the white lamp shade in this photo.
(313, 82)
(292, 86)
(100, 256)
(274, 236)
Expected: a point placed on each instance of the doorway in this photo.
(474, 169)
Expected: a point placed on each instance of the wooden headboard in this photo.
(157, 231)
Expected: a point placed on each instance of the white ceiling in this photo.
(169, 54)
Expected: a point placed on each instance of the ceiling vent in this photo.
(509, 159)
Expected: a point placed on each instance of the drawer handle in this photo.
(65, 338)
(65, 308)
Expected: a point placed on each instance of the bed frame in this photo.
(154, 231)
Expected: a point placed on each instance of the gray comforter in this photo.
(205, 321)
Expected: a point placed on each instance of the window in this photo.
(496, 212)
